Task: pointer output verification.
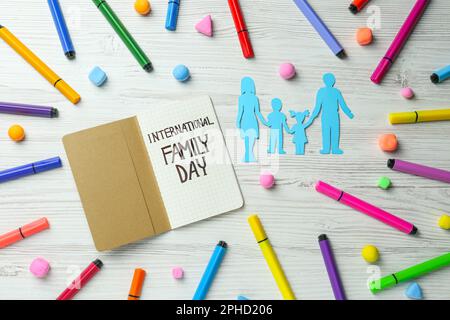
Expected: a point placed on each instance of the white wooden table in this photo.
(293, 213)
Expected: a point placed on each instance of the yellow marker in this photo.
(40, 66)
(419, 116)
(271, 258)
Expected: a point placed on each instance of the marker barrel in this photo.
(330, 264)
(419, 116)
(366, 208)
(28, 110)
(87, 274)
(172, 14)
(61, 28)
(413, 272)
(210, 271)
(241, 29)
(419, 170)
(136, 284)
(123, 33)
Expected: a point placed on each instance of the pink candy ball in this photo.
(287, 71)
(407, 93)
(177, 273)
(40, 267)
(267, 180)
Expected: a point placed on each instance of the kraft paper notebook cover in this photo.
(148, 174)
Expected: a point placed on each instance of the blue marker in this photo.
(441, 75)
(29, 169)
(61, 27)
(210, 271)
(172, 14)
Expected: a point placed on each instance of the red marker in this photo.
(81, 280)
(357, 5)
(241, 28)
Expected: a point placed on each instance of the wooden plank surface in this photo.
(293, 213)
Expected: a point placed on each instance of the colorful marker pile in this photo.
(387, 143)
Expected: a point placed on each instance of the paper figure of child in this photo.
(299, 131)
(247, 117)
(277, 121)
(328, 100)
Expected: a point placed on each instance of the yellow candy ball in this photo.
(16, 133)
(370, 254)
(142, 7)
(444, 222)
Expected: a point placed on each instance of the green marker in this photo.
(123, 33)
(410, 273)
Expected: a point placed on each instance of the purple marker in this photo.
(333, 274)
(28, 110)
(419, 170)
(320, 27)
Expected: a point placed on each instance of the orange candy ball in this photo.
(388, 142)
(364, 36)
(142, 7)
(16, 133)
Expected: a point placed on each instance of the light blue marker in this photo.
(210, 271)
(172, 14)
(441, 75)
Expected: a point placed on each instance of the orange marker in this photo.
(39, 65)
(136, 284)
(23, 232)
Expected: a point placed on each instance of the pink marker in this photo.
(366, 208)
(399, 41)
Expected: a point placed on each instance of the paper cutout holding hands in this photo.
(247, 117)
(328, 100)
(277, 121)
(299, 131)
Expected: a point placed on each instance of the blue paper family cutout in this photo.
(329, 101)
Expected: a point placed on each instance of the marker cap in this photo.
(136, 284)
(35, 227)
(383, 283)
(257, 228)
(67, 91)
(381, 70)
(48, 164)
(402, 117)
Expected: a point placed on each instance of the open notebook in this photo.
(154, 172)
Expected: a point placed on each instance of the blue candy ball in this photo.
(181, 72)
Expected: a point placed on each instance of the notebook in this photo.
(157, 171)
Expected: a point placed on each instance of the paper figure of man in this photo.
(328, 101)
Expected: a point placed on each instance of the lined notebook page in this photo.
(190, 160)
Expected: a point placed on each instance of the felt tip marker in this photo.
(124, 35)
(419, 170)
(441, 75)
(419, 116)
(92, 269)
(399, 41)
(271, 257)
(30, 169)
(210, 271)
(28, 110)
(241, 28)
(366, 208)
(39, 65)
(357, 5)
(330, 264)
(172, 14)
(23, 232)
(61, 28)
(320, 27)
(136, 284)
(413, 272)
